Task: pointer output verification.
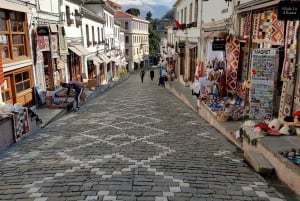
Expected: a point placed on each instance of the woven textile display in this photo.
(277, 35)
(267, 27)
(288, 71)
(256, 25)
(297, 89)
(246, 26)
(232, 59)
(286, 99)
(21, 124)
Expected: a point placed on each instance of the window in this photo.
(127, 52)
(87, 34)
(13, 34)
(93, 36)
(98, 35)
(22, 81)
(126, 25)
(127, 39)
(196, 11)
(102, 35)
(68, 16)
(191, 12)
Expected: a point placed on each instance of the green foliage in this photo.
(154, 40)
(149, 16)
(123, 72)
(133, 11)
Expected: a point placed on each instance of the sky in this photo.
(168, 3)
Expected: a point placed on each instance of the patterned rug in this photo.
(289, 63)
(246, 26)
(256, 25)
(286, 101)
(277, 35)
(297, 89)
(288, 71)
(232, 58)
(265, 26)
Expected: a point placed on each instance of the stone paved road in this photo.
(135, 142)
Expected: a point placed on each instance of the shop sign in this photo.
(289, 10)
(218, 45)
(263, 73)
(43, 30)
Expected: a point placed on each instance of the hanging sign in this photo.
(263, 68)
(181, 45)
(218, 45)
(289, 10)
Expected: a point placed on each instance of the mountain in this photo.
(158, 11)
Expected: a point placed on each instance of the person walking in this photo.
(142, 74)
(151, 75)
(78, 87)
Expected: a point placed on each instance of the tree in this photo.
(149, 16)
(133, 11)
(154, 40)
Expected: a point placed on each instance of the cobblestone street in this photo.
(135, 142)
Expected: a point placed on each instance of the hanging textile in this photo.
(265, 26)
(21, 125)
(54, 46)
(288, 71)
(277, 35)
(63, 48)
(246, 26)
(232, 59)
(297, 89)
(289, 63)
(286, 100)
(256, 25)
(43, 43)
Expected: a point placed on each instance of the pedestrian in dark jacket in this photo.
(142, 74)
(152, 74)
(78, 87)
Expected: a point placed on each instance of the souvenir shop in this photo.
(252, 75)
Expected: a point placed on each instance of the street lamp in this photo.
(78, 17)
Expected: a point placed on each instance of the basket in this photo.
(222, 117)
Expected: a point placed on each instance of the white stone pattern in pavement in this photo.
(125, 121)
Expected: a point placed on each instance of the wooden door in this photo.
(6, 92)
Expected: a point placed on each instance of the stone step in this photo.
(258, 162)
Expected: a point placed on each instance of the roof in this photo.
(122, 14)
(114, 5)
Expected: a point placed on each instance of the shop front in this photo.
(253, 74)
(49, 57)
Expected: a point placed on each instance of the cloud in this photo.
(168, 3)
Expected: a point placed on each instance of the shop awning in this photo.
(104, 58)
(79, 50)
(53, 28)
(97, 60)
(76, 51)
(116, 60)
(82, 49)
(254, 5)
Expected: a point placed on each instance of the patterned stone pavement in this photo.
(135, 142)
